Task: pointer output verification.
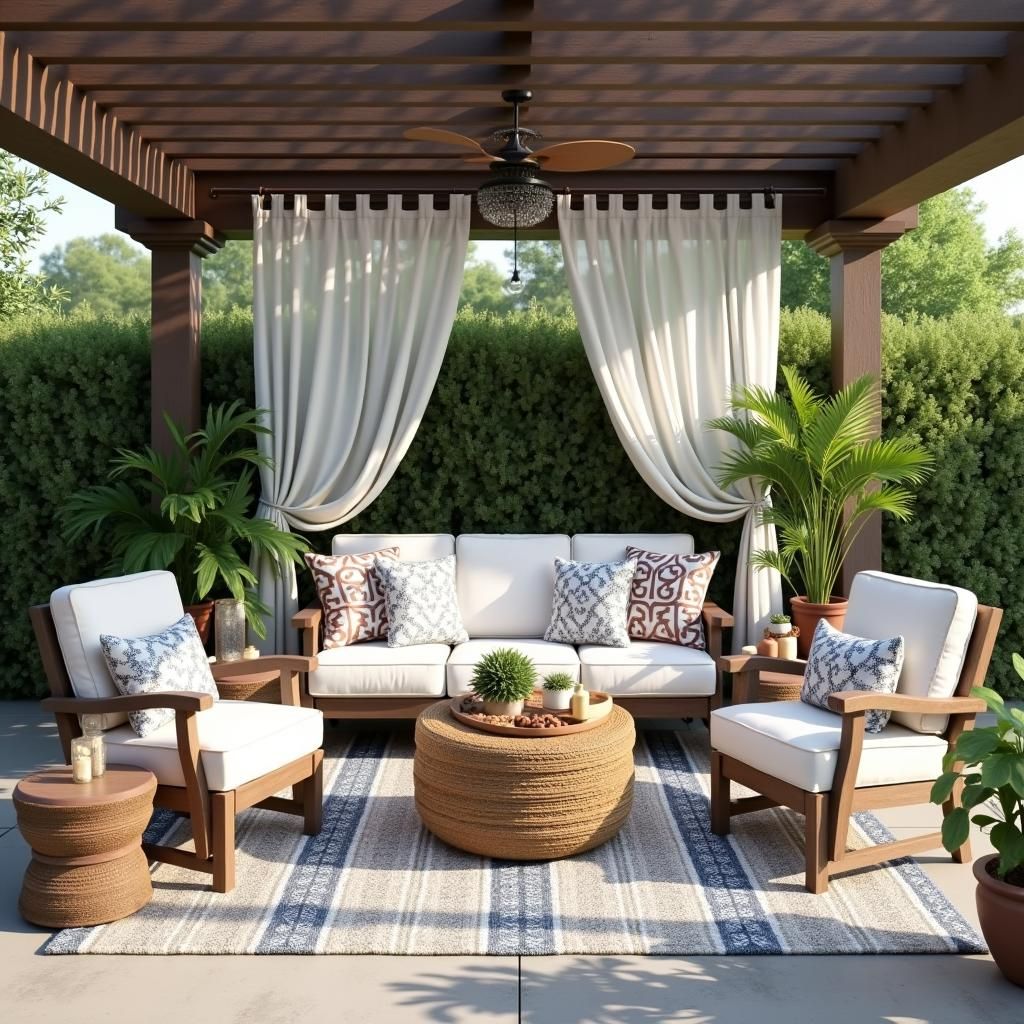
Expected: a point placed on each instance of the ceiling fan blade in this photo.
(479, 159)
(442, 135)
(586, 155)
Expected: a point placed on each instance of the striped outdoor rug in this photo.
(374, 881)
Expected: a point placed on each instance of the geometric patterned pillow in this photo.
(421, 600)
(171, 660)
(667, 596)
(838, 662)
(351, 597)
(590, 603)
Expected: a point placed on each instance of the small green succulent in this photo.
(559, 681)
(504, 675)
(779, 619)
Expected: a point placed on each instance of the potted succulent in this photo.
(189, 511)
(827, 472)
(503, 679)
(558, 687)
(780, 625)
(990, 761)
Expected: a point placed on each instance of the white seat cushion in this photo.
(130, 606)
(648, 668)
(413, 547)
(799, 744)
(547, 657)
(611, 547)
(935, 621)
(375, 670)
(238, 740)
(506, 581)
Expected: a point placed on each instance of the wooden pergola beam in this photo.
(965, 132)
(47, 120)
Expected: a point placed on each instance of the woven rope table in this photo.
(87, 862)
(523, 799)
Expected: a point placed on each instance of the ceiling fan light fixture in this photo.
(515, 197)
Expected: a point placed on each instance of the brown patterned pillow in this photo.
(668, 595)
(351, 596)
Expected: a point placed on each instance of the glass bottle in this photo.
(580, 703)
(229, 629)
(92, 727)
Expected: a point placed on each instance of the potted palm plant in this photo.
(989, 764)
(827, 473)
(189, 511)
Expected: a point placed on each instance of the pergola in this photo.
(854, 110)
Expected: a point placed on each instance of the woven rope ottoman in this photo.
(521, 798)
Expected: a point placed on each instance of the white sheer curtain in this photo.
(677, 308)
(352, 312)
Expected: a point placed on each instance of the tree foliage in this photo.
(107, 275)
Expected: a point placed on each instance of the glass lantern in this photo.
(229, 630)
(92, 727)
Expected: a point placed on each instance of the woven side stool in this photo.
(87, 862)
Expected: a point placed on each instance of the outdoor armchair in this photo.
(217, 757)
(822, 763)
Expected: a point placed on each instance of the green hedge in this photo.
(515, 439)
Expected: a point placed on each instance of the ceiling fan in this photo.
(514, 196)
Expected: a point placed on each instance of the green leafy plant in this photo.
(820, 458)
(991, 763)
(504, 675)
(559, 681)
(779, 619)
(189, 511)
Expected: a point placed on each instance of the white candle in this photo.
(81, 762)
(750, 649)
(787, 647)
(99, 756)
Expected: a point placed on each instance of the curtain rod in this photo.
(217, 193)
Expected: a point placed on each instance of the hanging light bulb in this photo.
(515, 283)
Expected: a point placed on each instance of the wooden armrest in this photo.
(174, 700)
(761, 663)
(716, 616)
(852, 702)
(266, 663)
(307, 618)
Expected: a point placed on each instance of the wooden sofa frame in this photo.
(212, 812)
(307, 622)
(827, 815)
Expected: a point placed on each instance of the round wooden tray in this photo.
(600, 708)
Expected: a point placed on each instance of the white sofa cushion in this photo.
(239, 741)
(799, 744)
(647, 668)
(506, 581)
(935, 621)
(375, 670)
(413, 547)
(547, 657)
(611, 547)
(136, 605)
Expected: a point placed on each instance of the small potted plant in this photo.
(503, 680)
(990, 761)
(779, 625)
(558, 689)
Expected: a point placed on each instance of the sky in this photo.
(1002, 191)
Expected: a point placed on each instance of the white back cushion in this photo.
(611, 547)
(129, 606)
(506, 581)
(412, 547)
(935, 620)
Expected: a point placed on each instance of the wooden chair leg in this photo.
(816, 842)
(313, 797)
(223, 841)
(962, 854)
(719, 796)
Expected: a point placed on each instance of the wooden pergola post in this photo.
(177, 248)
(854, 249)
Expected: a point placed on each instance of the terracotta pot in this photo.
(202, 615)
(503, 707)
(1001, 914)
(806, 616)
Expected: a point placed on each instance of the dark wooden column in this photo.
(177, 248)
(854, 249)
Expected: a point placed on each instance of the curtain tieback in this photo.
(262, 503)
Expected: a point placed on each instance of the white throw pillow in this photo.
(171, 660)
(591, 603)
(838, 662)
(421, 601)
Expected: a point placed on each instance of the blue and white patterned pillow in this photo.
(421, 602)
(171, 660)
(838, 662)
(591, 603)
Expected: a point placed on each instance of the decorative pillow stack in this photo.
(590, 603)
(667, 596)
(838, 662)
(171, 660)
(352, 597)
(422, 605)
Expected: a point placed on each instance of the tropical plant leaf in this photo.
(943, 786)
(956, 827)
(1009, 841)
(975, 744)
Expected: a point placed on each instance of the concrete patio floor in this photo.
(538, 990)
